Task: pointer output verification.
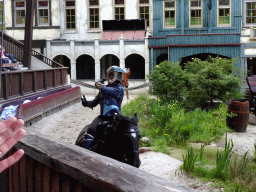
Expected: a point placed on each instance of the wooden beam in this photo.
(28, 33)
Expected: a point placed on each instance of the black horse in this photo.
(117, 139)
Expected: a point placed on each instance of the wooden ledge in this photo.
(95, 171)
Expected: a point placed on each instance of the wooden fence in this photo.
(53, 165)
(17, 84)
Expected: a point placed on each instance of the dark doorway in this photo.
(251, 66)
(85, 67)
(107, 61)
(63, 60)
(202, 56)
(161, 58)
(136, 63)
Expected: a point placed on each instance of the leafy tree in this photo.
(167, 80)
(212, 79)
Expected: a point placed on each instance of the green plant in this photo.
(254, 151)
(222, 160)
(189, 160)
(213, 79)
(167, 80)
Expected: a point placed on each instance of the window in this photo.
(250, 13)
(20, 13)
(70, 14)
(196, 18)
(224, 10)
(94, 14)
(169, 14)
(43, 12)
(119, 9)
(144, 11)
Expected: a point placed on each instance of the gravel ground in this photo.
(66, 125)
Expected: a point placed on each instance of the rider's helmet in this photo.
(114, 73)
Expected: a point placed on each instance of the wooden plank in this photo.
(38, 176)
(54, 182)
(21, 83)
(10, 179)
(22, 174)
(15, 177)
(65, 186)
(46, 178)
(30, 174)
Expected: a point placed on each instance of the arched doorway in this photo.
(85, 67)
(63, 60)
(136, 63)
(202, 56)
(107, 61)
(161, 58)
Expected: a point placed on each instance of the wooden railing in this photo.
(17, 49)
(53, 165)
(16, 84)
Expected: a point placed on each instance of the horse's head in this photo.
(123, 123)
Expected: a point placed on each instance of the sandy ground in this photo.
(66, 125)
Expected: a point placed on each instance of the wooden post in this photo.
(28, 33)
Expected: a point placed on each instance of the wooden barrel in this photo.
(241, 108)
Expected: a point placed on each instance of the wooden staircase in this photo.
(16, 48)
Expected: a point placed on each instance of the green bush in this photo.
(167, 80)
(213, 79)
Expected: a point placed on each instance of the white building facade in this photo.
(73, 33)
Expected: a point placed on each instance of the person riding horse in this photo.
(110, 97)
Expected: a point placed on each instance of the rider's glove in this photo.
(84, 102)
(99, 84)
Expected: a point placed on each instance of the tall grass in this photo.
(223, 160)
(171, 122)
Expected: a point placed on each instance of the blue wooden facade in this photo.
(184, 40)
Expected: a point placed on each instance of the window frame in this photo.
(118, 6)
(37, 23)
(196, 8)
(245, 12)
(149, 11)
(15, 13)
(170, 9)
(230, 12)
(70, 8)
(89, 16)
